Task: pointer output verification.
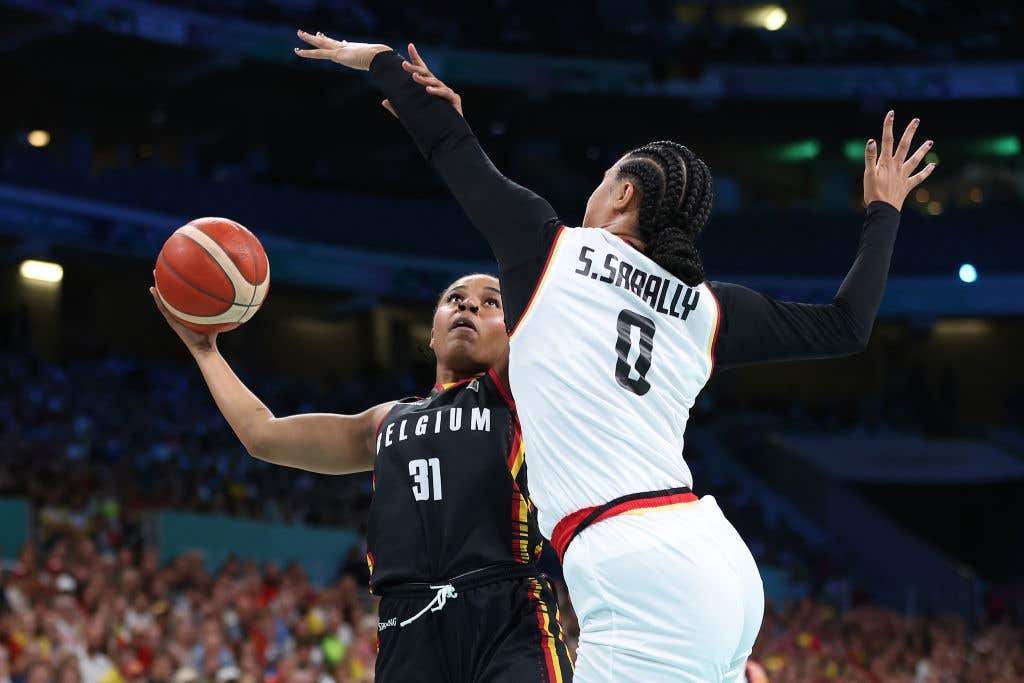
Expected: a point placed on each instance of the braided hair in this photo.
(675, 203)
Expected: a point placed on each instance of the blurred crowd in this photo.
(71, 613)
(118, 432)
(810, 642)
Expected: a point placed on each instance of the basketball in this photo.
(212, 274)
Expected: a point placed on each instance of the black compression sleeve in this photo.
(755, 328)
(518, 224)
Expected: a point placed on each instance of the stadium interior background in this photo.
(881, 494)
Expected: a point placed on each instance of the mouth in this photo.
(463, 323)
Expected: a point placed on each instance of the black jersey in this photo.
(450, 493)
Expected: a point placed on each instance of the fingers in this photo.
(914, 161)
(870, 154)
(887, 136)
(414, 69)
(320, 40)
(430, 81)
(387, 105)
(908, 137)
(919, 178)
(415, 55)
(160, 304)
(314, 54)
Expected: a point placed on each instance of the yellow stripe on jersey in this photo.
(673, 506)
(549, 644)
(713, 337)
(521, 527)
(517, 461)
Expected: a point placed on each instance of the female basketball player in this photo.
(452, 535)
(614, 333)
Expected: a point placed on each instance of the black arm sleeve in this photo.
(755, 328)
(519, 225)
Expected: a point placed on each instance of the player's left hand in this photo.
(353, 55)
(889, 175)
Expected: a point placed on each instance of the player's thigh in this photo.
(532, 649)
(407, 653)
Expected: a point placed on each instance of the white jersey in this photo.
(605, 365)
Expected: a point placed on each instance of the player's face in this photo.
(469, 334)
(613, 207)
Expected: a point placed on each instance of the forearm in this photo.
(756, 328)
(328, 444)
(860, 295)
(248, 417)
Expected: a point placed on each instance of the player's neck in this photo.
(624, 227)
(446, 376)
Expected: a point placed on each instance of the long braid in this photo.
(675, 204)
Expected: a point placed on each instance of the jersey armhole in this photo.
(552, 250)
(503, 390)
(713, 341)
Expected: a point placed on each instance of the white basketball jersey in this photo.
(605, 365)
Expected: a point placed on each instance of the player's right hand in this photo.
(887, 175)
(195, 341)
(422, 74)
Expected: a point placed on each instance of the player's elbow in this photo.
(859, 338)
(262, 444)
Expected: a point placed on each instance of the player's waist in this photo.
(573, 524)
(465, 581)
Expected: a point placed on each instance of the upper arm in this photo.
(516, 222)
(756, 328)
(323, 442)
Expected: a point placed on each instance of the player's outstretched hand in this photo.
(887, 175)
(353, 55)
(195, 341)
(422, 74)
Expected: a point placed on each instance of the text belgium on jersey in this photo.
(447, 420)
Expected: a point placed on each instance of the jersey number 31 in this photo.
(424, 473)
(625, 324)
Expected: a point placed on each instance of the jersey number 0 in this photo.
(625, 324)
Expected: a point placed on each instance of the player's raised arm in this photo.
(756, 328)
(518, 224)
(317, 442)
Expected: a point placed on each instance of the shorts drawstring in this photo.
(436, 604)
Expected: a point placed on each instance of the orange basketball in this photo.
(212, 274)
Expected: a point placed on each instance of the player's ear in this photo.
(624, 195)
(431, 343)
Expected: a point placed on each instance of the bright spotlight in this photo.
(39, 138)
(43, 271)
(774, 18)
(968, 273)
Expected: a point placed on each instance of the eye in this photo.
(454, 297)
(493, 302)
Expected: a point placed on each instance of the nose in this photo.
(469, 304)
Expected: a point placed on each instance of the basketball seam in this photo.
(214, 259)
(178, 275)
(245, 235)
(255, 272)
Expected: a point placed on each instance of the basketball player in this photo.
(614, 332)
(452, 538)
